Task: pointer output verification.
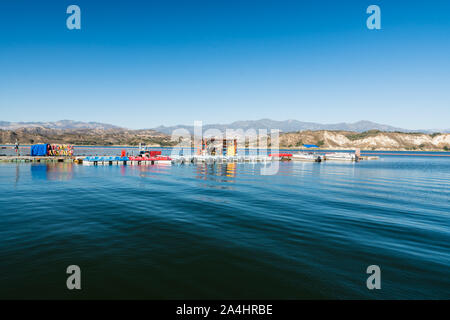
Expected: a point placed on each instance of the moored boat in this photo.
(307, 156)
(341, 156)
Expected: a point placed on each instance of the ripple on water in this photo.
(225, 231)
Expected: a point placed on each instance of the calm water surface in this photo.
(225, 231)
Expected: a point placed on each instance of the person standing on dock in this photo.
(16, 148)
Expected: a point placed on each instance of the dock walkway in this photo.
(36, 159)
(220, 159)
(174, 159)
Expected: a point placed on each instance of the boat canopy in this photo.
(310, 146)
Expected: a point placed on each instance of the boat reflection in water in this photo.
(144, 171)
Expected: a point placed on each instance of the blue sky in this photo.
(140, 64)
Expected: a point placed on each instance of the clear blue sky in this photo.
(140, 64)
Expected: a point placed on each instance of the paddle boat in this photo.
(106, 160)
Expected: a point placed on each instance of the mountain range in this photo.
(283, 126)
(363, 135)
(295, 126)
(61, 124)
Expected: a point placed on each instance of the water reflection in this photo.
(52, 171)
(207, 171)
(285, 236)
(145, 171)
(17, 175)
(231, 170)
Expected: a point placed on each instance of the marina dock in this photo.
(113, 160)
(220, 159)
(44, 159)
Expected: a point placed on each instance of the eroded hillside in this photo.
(370, 140)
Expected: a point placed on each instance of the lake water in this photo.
(225, 231)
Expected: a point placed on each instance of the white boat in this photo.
(341, 156)
(164, 162)
(307, 156)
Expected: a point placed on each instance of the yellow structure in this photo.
(210, 147)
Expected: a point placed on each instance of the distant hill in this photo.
(369, 140)
(361, 134)
(97, 136)
(289, 126)
(283, 126)
(62, 125)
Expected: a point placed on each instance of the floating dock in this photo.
(220, 159)
(111, 160)
(36, 159)
(175, 160)
(115, 160)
